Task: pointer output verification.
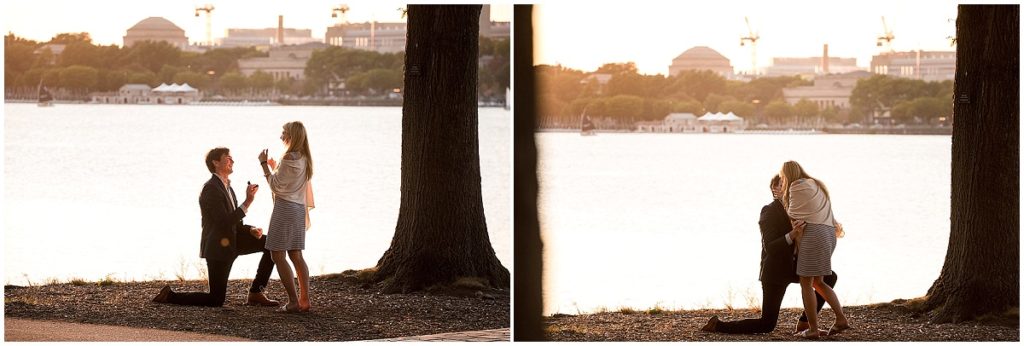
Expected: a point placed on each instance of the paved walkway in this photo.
(16, 329)
(475, 336)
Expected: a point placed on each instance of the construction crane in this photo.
(887, 37)
(752, 37)
(340, 9)
(208, 8)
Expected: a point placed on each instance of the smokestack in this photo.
(280, 30)
(824, 60)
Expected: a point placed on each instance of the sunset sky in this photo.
(651, 34)
(107, 20)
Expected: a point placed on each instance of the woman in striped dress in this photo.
(293, 197)
(807, 202)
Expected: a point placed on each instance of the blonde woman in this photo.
(808, 204)
(293, 197)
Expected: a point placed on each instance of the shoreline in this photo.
(945, 131)
(895, 321)
(342, 310)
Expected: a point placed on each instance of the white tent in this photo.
(720, 117)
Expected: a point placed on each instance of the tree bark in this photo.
(528, 246)
(441, 234)
(981, 271)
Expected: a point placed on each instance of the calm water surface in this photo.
(639, 220)
(98, 190)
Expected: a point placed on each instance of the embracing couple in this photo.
(798, 236)
(225, 237)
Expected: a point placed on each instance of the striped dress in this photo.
(288, 224)
(809, 203)
(816, 247)
(287, 229)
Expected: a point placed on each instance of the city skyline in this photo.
(107, 21)
(652, 35)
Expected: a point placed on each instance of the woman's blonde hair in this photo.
(792, 171)
(298, 142)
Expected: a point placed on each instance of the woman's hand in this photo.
(263, 156)
(272, 163)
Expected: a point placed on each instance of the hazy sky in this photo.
(107, 20)
(652, 34)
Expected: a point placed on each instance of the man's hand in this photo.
(798, 230)
(250, 193)
(256, 232)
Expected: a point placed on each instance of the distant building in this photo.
(929, 66)
(810, 67)
(373, 36)
(813, 66)
(600, 81)
(832, 90)
(284, 62)
(265, 38)
(385, 37)
(156, 29)
(143, 94)
(55, 51)
(701, 58)
(690, 123)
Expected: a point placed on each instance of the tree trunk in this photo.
(528, 260)
(441, 233)
(981, 271)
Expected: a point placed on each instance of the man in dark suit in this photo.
(778, 270)
(224, 239)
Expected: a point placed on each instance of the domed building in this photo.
(156, 29)
(701, 58)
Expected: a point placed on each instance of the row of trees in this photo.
(629, 96)
(908, 100)
(84, 67)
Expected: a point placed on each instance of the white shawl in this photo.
(807, 202)
(288, 182)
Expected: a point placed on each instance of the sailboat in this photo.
(586, 125)
(45, 97)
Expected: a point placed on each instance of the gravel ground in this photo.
(341, 310)
(880, 322)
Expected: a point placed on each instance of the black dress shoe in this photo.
(164, 296)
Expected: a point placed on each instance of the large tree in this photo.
(441, 233)
(528, 260)
(981, 271)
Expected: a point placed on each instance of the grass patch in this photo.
(655, 310)
(107, 281)
(913, 304)
(470, 283)
(362, 276)
(78, 282)
(20, 300)
(627, 310)
(571, 329)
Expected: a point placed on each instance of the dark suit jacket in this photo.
(778, 264)
(224, 235)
